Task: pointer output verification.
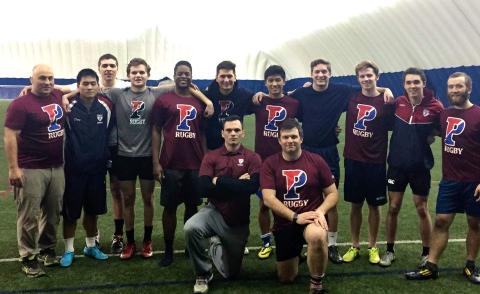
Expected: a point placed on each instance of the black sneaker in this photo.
(422, 273)
(117, 244)
(472, 275)
(166, 260)
(333, 254)
(48, 257)
(31, 268)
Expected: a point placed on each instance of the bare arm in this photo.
(208, 103)
(15, 174)
(278, 208)
(387, 94)
(156, 145)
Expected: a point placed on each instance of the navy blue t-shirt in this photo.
(319, 112)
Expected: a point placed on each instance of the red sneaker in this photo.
(147, 251)
(128, 251)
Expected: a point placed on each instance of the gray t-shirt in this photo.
(133, 112)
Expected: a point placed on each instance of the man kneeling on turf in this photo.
(86, 155)
(300, 189)
(228, 176)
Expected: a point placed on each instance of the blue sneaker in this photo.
(94, 252)
(67, 259)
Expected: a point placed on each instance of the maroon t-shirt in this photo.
(222, 163)
(461, 144)
(298, 184)
(181, 119)
(268, 117)
(41, 124)
(366, 129)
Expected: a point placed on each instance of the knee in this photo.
(474, 224)
(393, 209)
(441, 223)
(148, 202)
(422, 211)
(316, 238)
(129, 200)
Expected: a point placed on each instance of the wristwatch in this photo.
(295, 217)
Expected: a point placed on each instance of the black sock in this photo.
(390, 247)
(425, 251)
(470, 264)
(119, 226)
(148, 233)
(130, 236)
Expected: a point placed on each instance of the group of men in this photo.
(157, 133)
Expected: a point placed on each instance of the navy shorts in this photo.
(289, 241)
(457, 197)
(84, 191)
(419, 180)
(180, 186)
(331, 157)
(128, 168)
(365, 181)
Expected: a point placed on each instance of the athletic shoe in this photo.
(117, 244)
(352, 254)
(167, 259)
(128, 251)
(333, 254)
(147, 251)
(67, 259)
(31, 268)
(48, 257)
(317, 288)
(201, 283)
(472, 275)
(423, 273)
(94, 252)
(373, 255)
(246, 251)
(423, 261)
(387, 259)
(265, 251)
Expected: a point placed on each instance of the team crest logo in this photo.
(455, 126)
(365, 113)
(186, 114)
(294, 178)
(137, 109)
(225, 106)
(240, 162)
(55, 113)
(275, 114)
(99, 117)
(426, 112)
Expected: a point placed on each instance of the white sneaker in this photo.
(246, 251)
(201, 284)
(387, 259)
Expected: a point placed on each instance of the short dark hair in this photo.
(138, 61)
(107, 56)
(366, 64)
(415, 71)
(86, 72)
(274, 70)
(321, 61)
(227, 65)
(289, 124)
(180, 63)
(468, 79)
(232, 117)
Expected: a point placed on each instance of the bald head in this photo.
(42, 80)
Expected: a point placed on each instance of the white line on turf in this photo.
(257, 247)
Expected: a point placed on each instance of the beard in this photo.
(460, 100)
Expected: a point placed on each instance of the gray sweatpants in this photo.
(39, 204)
(226, 251)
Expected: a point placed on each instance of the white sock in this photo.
(332, 238)
(69, 244)
(97, 237)
(90, 241)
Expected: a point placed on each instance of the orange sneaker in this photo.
(128, 251)
(147, 251)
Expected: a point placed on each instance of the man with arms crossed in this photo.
(410, 157)
(300, 189)
(86, 156)
(33, 138)
(459, 189)
(228, 176)
(178, 116)
(366, 140)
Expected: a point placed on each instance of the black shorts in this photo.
(365, 181)
(289, 241)
(113, 157)
(128, 168)
(84, 191)
(419, 180)
(331, 157)
(180, 186)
